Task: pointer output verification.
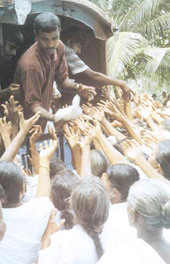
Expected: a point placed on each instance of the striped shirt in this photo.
(75, 64)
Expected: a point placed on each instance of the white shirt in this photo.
(136, 251)
(25, 226)
(117, 228)
(72, 246)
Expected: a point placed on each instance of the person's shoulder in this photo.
(29, 60)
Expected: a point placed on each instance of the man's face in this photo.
(10, 49)
(48, 42)
(76, 47)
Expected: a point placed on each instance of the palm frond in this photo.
(154, 26)
(137, 13)
(122, 49)
(158, 57)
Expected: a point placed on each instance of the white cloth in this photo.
(72, 246)
(136, 251)
(75, 64)
(25, 226)
(117, 228)
(31, 188)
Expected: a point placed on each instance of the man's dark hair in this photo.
(46, 22)
(74, 34)
(15, 37)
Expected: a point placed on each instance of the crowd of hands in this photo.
(134, 126)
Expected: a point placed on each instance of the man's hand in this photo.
(127, 91)
(36, 134)
(86, 92)
(13, 89)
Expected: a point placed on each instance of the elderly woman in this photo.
(149, 213)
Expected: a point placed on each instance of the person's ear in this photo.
(159, 169)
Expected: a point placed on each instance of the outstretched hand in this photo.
(36, 133)
(26, 125)
(11, 109)
(86, 92)
(131, 149)
(47, 151)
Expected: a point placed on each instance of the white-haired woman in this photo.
(149, 213)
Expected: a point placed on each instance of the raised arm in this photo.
(46, 154)
(25, 126)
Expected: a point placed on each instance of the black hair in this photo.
(90, 204)
(62, 187)
(46, 22)
(163, 157)
(74, 34)
(15, 37)
(121, 177)
(56, 165)
(99, 162)
(11, 182)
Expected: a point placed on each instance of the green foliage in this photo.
(141, 50)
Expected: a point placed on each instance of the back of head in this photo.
(11, 182)
(74, 34)
(62, 187)
(90, 204)
(15, 37)
(151, 199)
(163, 157)
(56, 165)
(121, 177)
(46, 22)
(99, 162)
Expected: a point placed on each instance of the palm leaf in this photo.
(138, 12)
(153, 26)
(122, 49)
(158, 57)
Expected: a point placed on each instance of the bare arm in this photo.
(44, 114)
(112, 154)
(103, 79)
(13, 148)
(132, 150)
(46, 153)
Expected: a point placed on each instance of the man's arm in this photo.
(13, 89)
(44, 114)
(102, 79)
(83, 90)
